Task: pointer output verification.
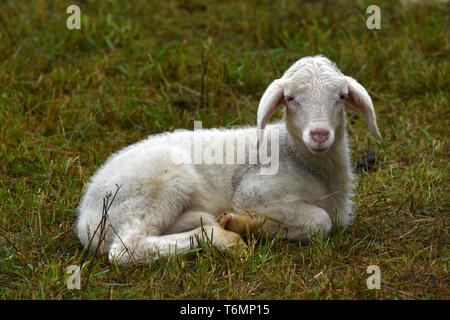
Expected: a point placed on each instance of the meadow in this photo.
(69, 98)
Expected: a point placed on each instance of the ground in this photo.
(69, 98)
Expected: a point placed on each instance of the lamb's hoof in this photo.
(227, 239)
(225, 219)
(233, 241)
(238, 222)
(236, 241)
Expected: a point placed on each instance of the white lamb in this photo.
(166, 206)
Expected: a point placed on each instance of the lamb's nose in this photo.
(320, 135)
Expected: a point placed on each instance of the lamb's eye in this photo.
(288, 98)
(342, 97)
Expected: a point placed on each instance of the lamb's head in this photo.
(314, 91)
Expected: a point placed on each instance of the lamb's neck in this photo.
(334, 164)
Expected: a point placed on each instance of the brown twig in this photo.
(3, 235)
(103, 230)
(325, 197)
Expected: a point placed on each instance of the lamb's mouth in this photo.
(318, 148)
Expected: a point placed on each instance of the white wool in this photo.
(162, 203)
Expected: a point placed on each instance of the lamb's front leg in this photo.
(291, 222)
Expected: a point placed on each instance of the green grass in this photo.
(68, 99)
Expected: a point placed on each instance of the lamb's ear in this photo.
(269, 103)
(360, 99)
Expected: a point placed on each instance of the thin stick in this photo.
(10, 242)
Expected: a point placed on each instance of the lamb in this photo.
(167, 206)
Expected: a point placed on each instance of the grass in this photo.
(69, 98)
